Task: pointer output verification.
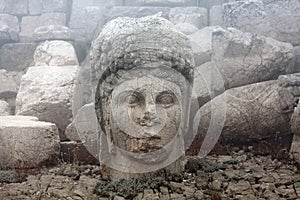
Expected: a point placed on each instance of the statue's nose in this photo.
(149, 116)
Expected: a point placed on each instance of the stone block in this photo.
(275, 19)
(53, 32)
(215, 16)
(245, 58)
(30, 23)
(46, 92)
(55, 53)
(27, 143)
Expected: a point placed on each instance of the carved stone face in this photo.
(147, 112)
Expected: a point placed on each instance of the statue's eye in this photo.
(166, 99)
(133, 99)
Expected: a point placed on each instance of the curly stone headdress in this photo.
(126, 43)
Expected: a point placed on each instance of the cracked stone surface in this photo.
(244, 58)
(47, 92)
(55, 53)
(27, 143)
(238, 176)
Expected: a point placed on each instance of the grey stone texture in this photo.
(186, 28)
(53, 32)
(252, 112)
(9, 28)
(202, 44)
(55, 53)
(14, 7)
(275, 19)
(8, 86)
(245, 58)
(27, 143)
(47, 92)
(30, 23)
(17, 56)
(166, 3)
(215, 16)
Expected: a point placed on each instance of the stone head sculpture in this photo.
(143, 70)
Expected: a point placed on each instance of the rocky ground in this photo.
(238, 176)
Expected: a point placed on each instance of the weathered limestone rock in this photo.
(186, 28)
(27, 143)
(207, 83)
(9, 28)
(253, 112)
(275, 19)
(8, 86)
(138, 67)
(17, 56)
(193, 15)
(85, 129)
(30, 23)
(245, 58)
(46, 92)
(202, 44)
(4, 108)
(209, 4)
(53, 32)
(55, 53)
(297, 58)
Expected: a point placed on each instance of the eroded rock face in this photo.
(47, 92)
(143, 96)
(276, 19)
(252, 112)
(9, 28)
(245, 58)
(8, 86)
(27, 143)
(55, 53)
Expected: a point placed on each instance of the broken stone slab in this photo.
(186, 28)
(47, 92)
(192, 15)
(275, 19)
(9, 28)
(53, 32)
(85, 129)
(27, 143)
(248, 113)
(30, 23)
(8, 86)
(17, 56)
(55, 53)
(202, 44)
(4, 108)
(245, 58)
